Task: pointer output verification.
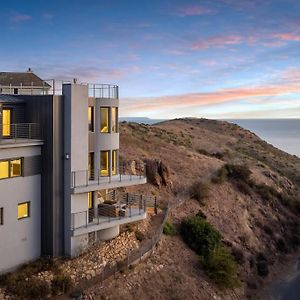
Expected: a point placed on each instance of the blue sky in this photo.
(216, 59)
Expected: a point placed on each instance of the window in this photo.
(91, 166)
(16, 91)
(4, 169)
(104, 119)
(10, 168)
(91, 118)
(104, 157)
(23, 210)
(15, 168)
(90, 200)
(114, 162)
(1, 216)
(114, 119)
(6, 122)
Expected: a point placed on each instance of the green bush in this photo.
(200, 235)
(199, 191)
(221, 176)
(169, 229)
(205, 240)
(221, 267)
(61, 284)
(240, 172)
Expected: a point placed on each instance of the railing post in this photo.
(98, 172)
(87, 177)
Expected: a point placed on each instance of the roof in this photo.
(10, 99)
(21, 78)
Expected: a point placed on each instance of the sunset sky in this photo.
(215, 59)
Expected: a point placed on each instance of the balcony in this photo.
(21, 133)
(128, 208)
(88, 181)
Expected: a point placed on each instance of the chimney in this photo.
(29, 70)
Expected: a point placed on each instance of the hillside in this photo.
(257, 217)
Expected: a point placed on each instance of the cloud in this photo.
(287, 84)
(288, 36)
(217, 42)
(19, 18)
(194, 10)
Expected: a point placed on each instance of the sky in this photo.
(170, 58)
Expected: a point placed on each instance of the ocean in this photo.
(281, 133)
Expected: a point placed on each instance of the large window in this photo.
(114, 162)
(104, 157)
(91, 118)
(1, 216)
(114, 119)
(6, 122)
(10, 168)
(23, 210)
(91, 166)
(104, 119)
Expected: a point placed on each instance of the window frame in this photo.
(91, 123)
(114, 120)
(108, 120)
(10, 160)
(28, 210)
(1, 216)
(114, 162)
(107, 163)
(7, 136)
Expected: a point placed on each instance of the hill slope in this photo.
(258, 218)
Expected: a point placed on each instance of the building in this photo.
(60, 171)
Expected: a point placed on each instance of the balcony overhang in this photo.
(112, 182)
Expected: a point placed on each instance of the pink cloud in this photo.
(19, 18)
(288, 36)
(194, 10)
(217, 41)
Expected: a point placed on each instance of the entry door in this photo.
(6, 122)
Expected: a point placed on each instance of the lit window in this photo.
(6, 122)
(114, 119)
(91, 165)
(15, 168)
(23, 210)
(104, 119)
(90, 200)
(4, 169)
(114, 162)
(91, 118)
(104, 163)
(1, 216)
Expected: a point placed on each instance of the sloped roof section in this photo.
(21, 78)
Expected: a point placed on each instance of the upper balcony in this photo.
(88, 180)
(54, 87)
(21, 133)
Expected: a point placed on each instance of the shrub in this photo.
(221, 176)
(200, 235)
(266, 192)
(61, 284)
(240, 172)
(199, 191)
(169, 229)
(140, 236)
(221, 267)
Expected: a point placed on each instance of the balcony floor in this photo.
(19, 142)
(109, 183)
(103, 222)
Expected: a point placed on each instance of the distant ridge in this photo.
(141, 120)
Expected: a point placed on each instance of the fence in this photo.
(54, 87)
(82, 178)
(27, 131)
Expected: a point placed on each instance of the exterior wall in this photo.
(24, 90)
(20, 239)
(76, 147)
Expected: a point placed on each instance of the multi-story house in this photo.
(59, 169)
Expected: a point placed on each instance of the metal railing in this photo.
(55, 87)
(83, 178)
(126, 206)
(24, 131)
